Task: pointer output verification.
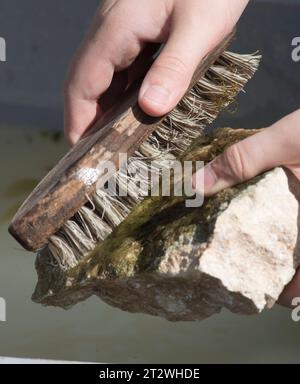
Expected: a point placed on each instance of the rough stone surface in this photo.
(238, 251)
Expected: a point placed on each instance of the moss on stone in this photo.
(139, 242)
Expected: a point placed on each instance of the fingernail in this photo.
(157, 94)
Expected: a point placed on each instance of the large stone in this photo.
(238, 251)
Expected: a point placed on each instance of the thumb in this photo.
(170, 75)
(242, 161)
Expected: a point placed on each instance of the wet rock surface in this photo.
(238, 251)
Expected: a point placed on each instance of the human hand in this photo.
(120, 32)
(274, 146)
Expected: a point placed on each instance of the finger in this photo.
(244, 160)
(171, 73)
(91, 74)
(122, 80)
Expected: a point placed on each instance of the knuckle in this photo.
(70, 89)
(129, 56)
(69, 85)
(236, 167)
(173, 64)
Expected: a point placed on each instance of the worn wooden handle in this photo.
(67, 187)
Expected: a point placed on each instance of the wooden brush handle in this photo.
(67, 187)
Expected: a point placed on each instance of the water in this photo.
(93, 331)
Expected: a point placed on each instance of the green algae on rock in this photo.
(157, 261)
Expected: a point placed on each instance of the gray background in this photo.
(42, 36)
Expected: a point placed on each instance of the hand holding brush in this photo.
(120, 32)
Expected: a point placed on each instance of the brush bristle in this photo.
(105, 211)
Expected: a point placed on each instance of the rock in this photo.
(238, 251)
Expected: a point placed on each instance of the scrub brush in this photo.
(72, 209)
